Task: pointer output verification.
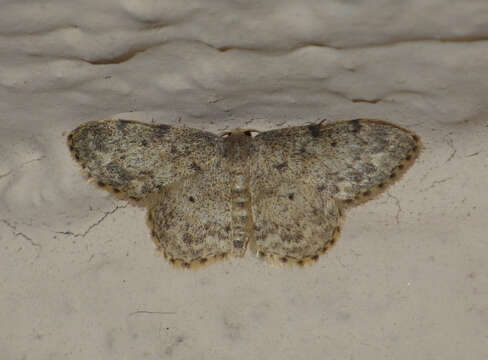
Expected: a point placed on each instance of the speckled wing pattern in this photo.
(303, 179)
(176, 172)
(135, 159)
(191, 220)
(284, 192)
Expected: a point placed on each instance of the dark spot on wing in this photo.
(282, 165)
(161, 129)
(238, 244)
(194, 166)
(286, 237)
(314, 129)
(122, 125)
(367, 168)
(191, 198)
(356, 126)
(147, 173)
(117, 173)
(187, 238)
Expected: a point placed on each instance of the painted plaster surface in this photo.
(79, 276)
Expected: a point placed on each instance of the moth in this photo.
(283, 193)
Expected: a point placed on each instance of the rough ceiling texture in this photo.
(79, 278)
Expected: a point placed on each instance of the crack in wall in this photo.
(16, 233)
(96, 223)
(152, 312)
(437, 182)
(11, 171)
(399, 208)
(450, 143)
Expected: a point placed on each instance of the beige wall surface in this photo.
(79, 277)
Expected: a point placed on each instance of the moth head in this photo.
(239, 132)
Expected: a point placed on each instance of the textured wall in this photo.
(78, 274)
